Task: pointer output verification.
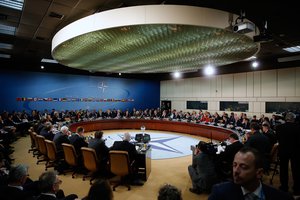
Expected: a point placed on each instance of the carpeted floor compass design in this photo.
(164, 145)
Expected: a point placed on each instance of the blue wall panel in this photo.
(14, 85)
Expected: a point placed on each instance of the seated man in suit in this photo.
(125, 145)
(16, 180)
(49, 184)
(224, 159)
(101, 149)
(78, 141)
(59, 138)
(247, 174)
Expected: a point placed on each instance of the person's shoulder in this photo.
(224, 185)
(225, 190)
(273, 193)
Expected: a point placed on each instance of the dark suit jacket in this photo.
(100, 148)
(46, 197)
(12, 193)
(259, 142)
(230, 151)
(77, 142)
(231, 191)
(58, 139)
(125, 146)
(288, 139)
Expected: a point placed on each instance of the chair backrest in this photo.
(90, 159)
(33, 135)
(32, 139)
(41, 144)
(274, 153)
(51, 150)
(70, 154)
(119, 162)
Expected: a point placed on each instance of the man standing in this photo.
(289, 143)
(247, 173)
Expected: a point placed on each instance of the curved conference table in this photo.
(209, 131)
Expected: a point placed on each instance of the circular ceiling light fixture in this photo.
(151, 39)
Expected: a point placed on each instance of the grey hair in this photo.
(64, 129)
(16, 173)
(290, 117)
(127, 137)
(47, 180)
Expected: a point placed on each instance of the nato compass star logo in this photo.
(163, 145)
(159, 143)
(102, 86)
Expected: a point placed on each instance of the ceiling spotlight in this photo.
(177, 74)
(42, 67)
(254, 64)
(209, 70)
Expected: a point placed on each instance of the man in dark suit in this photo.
(16, 180)
(49, 184)
(59, 138)
(101, 149)
(289, 143)
(125, 145)
(77, 140)
(224, 159)
(247, 174)
(260, 142)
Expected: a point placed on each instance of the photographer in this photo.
(202, 170)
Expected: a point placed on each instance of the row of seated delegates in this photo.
(247, 180)
(202, 171)
(7, 137)
(20, 186)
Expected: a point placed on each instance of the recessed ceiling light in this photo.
(209, 70)
(177, 74)
(254, 64)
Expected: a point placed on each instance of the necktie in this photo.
(251, 196)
